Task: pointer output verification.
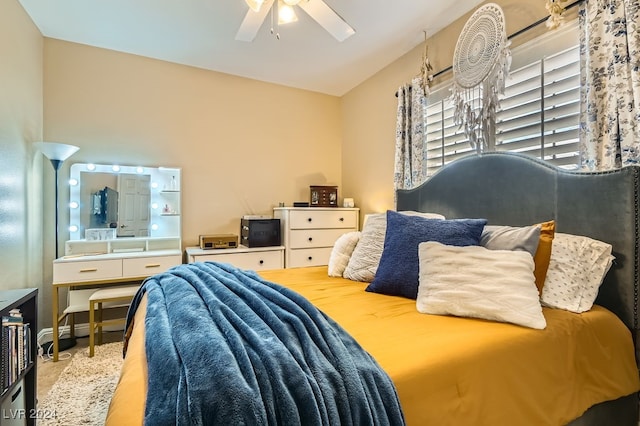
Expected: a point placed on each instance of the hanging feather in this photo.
(426, 69)
(556, 11)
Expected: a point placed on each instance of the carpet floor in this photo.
(83, 391)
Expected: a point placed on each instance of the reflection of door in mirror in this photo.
(133, 207)
(148, 200)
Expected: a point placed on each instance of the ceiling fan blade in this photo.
(328, 19)
(252, 22)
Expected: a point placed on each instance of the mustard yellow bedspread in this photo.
(452, 371)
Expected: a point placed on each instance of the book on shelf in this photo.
(15, 351)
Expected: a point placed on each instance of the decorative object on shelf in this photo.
(481, 65)
(321, 12)
(348, 203)
(57, 153)
(323, 196)
(426, 76)
(556, 10)
(173, 184)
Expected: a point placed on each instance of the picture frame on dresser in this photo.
(323, 196)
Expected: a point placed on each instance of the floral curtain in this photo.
(610, 55)
(411, 154)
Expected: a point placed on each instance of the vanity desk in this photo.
(124, 226)
(88, 265)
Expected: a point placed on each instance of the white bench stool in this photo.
(107, 298)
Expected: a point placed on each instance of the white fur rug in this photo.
(82, 393)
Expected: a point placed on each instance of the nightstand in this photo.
(254, 258)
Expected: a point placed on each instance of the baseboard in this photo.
(81, 330)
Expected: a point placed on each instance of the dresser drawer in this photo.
(310, 238)
(147, 266)
(309, 257)
(256, 261)
(65, 272)
(308, 219)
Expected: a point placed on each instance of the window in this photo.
(539, 113)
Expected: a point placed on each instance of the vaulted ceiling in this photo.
(202, 33)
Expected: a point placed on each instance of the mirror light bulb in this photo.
(73, 182)
(74, 205)
(154, 227)
(140, 170)
(91, 167)
(73, 228)
(154, 205)
(115, 168)
(154, 184)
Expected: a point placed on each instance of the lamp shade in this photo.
(56, 151)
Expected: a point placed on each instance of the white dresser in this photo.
(309, 233)
(254, 258)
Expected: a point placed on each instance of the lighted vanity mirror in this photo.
(111, 201)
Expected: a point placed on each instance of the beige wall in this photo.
(21, 201)
(369, 110)
(243, 146)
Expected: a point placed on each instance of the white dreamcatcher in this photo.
(481, 65)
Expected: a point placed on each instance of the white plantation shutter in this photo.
(539, 112)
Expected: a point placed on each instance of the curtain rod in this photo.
(517, 33)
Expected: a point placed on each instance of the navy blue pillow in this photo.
(398, 270)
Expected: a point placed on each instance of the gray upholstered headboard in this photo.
(517, 190)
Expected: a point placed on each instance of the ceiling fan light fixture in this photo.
(291, 2)
(255, 5)
(286, 14)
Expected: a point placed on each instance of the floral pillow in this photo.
(577, 268)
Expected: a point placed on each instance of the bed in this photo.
(575, 368)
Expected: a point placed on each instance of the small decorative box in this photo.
(323, 196)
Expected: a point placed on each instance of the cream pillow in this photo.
(473, 281)
(577, 268)
(341, 252)
(364, 261)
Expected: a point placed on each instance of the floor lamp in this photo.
(57, 153)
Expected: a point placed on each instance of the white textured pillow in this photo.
(365, 258)
(341, 252)
(577, 268)
(474, 281)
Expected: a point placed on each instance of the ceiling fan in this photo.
(317, 9)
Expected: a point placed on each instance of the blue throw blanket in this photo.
(225, 347)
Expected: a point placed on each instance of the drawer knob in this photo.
(89, 270)
(310, 239)
(261, 262)
(342, 219)
(310, 219)
(152, 265)
(310, 258)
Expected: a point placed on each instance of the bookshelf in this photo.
(26, 300)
